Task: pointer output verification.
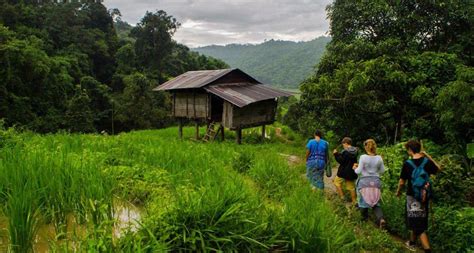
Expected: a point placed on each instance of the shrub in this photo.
(273, 177)
(452, 230)
(243, 161)
(214, 218)
(394, 213)
(453, 183)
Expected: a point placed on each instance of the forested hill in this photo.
(281, 63)
(66, 66)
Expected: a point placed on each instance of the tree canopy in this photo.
(392, 71)
(64, 67)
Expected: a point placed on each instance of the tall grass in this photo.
(195, 196)
(46, 181)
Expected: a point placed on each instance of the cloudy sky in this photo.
(220, 22)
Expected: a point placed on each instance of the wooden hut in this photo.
(226, 98)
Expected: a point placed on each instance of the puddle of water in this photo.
(127, 217)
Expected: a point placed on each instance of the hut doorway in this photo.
(217, 108)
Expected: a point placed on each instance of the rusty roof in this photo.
(197, 79)
(242, 94)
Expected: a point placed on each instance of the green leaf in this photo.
(470, 150)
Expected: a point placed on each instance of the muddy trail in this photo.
(330, 191)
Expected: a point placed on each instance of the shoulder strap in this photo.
(425, 161)
(422, 165)
(412, 164)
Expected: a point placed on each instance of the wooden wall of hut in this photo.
(192, 105)
(257, 114)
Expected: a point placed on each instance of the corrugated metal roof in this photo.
(242, 94)
(196, 79)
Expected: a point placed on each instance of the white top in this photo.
(370, 166)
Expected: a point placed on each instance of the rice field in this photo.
(148, 191)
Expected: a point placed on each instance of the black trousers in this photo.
(377, 211)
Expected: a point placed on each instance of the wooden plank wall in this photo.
(256, 114)
(227, 114)
(191, 105)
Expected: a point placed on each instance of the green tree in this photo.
(385, 67)
(154, 40)
(99, 101)
(34, 86)
(79, 116)
(455, 107)
(138, 107)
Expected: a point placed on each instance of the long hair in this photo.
(370, 146)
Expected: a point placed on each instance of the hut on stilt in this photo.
(226, 98)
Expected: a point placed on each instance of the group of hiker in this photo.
(361, 177)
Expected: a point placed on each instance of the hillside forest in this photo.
(280, 63)
(65, 68)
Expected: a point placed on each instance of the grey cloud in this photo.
(207, 22)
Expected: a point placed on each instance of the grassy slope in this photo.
(280, 63)
(193, 194)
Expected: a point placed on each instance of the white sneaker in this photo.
(409, 246)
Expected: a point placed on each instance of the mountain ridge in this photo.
(277, 62)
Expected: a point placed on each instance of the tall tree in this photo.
(154, 41)
(385, 67)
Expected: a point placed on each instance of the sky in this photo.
(221, 22)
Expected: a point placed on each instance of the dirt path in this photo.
(330, 189)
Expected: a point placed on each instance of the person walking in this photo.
(345, 174)
(316, 160)
(416, 175)
(370, 168)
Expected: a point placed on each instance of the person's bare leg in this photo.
(425, 242)
(353, 197)
(339, 192)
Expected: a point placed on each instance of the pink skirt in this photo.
(371, 195)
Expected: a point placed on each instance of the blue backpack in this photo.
(420, 181)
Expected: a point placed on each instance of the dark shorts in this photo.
(416, 215)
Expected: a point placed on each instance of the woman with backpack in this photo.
(369, 184)
(416, 175)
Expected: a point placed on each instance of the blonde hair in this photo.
(370, 146)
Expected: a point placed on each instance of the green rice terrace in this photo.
(149, 191)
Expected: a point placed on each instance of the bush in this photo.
(243, 161)
(8, 137)
(137, 184)
(452, 230)
(394, 213)
(453, 183)
(213, 218)
(273, 177)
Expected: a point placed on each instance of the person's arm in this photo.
(358, 170)
(404, 176)
(401, 184)
(308, 150)
(339, 157)
(382, 167)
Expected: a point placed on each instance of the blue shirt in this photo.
(317, 153)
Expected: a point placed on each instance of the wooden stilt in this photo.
(239, 136)
(222, 133)
(196, 124)
(263, 132)
(180, 128)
